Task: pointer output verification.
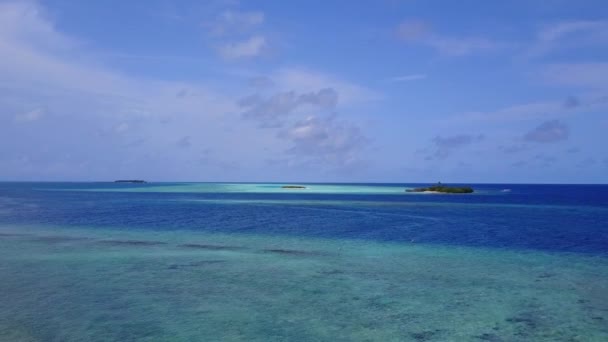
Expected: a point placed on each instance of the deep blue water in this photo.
(572, 218)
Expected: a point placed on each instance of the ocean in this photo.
(331, 262)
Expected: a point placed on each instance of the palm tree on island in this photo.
(440, 188)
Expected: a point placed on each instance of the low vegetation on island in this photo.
(440, 188)
(293, 187)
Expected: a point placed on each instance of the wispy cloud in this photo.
(121, 127)
(521, 112)
(585, 75)
(443, 147)
(548, 132)
(83, 101)
(571, 105)
(512, 149)
(274, 110)
(569, 35)
(260, 82)
(106, 110)
(30, 115)
(419, 32)
(184, 142)
(544, 160)
(304, 80)
(238, 34)
(451, 46)
(572, 102)
(408, 78)
(251, 47)
(234, 22)
(573, 150)
(412, 30)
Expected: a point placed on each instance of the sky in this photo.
(316, 91)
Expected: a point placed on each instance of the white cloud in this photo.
(319, 139)
(302, 108)
(121, 127)
(30, 116)
(95, 111)
(38, 58)
(238, 34)
(26, 22)
(251, 47)
(413, 30)
(324, 141)
(94, 108)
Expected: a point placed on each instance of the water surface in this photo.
(255, 262)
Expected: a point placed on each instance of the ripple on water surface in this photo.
(104, 285)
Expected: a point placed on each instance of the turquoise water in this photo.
(361, 189)
(182, 262)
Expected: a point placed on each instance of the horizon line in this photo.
(292, 182)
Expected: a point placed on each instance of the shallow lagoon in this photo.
(136, 266)
(71, 285)
(257, 188)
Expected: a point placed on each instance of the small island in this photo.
(129, 181)
(443, 189)
(293, 187)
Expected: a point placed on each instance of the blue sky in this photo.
(372, 91)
